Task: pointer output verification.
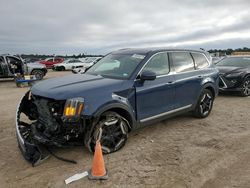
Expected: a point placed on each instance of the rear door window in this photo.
(182, 61)
(200, 60)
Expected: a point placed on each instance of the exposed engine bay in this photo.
(40, 123)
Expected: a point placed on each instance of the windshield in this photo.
(119, 66)
(235, 62)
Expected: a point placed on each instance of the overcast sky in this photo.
(100, 26)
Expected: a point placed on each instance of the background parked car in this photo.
(32, 60)
(11, 65)
(80, 70)
(49, 62)
(217, 59)
(235, 74)
(88, 62)
(67, 64)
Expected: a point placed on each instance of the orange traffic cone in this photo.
(98, 171)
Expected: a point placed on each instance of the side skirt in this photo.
(165, 115)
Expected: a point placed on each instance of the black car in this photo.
(125, 90)
(235, 74)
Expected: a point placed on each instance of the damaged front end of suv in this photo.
(69, 111)
(43, 122)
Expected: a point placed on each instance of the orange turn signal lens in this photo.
(73, 107)
(70, 111)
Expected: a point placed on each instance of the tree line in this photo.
(43, 56)
(229, 51)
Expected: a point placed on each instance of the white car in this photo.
(68, 64)
(79, 70)
(88, 62)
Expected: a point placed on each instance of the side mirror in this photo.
(147, 75)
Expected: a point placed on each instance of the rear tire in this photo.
(38, 73)
(204, 105)
(245, 91)
(111, 130)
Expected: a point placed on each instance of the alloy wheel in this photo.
(206, 103)
(246, 87)
(38, 74)
(112, 133)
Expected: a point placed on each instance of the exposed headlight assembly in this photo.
(73, 108)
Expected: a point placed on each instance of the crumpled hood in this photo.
(229, 69)
(75, 85)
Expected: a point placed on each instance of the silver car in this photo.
(11, 65)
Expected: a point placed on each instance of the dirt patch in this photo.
(179, 152)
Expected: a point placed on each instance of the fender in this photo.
(211, 82)
(116, 104)
(206, 85)
(247, 74)
(211, 85)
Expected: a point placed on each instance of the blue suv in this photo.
(125, 90)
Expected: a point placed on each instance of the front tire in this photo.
(204, 105)
(111, 130)
(245, 90)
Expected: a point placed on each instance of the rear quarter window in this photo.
(200, 60)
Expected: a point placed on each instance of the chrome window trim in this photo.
(173, 72)
(166, 113)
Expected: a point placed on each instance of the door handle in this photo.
(170, 82)
(200, 76)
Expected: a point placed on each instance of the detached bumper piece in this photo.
(32, 152)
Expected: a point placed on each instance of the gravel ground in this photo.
(179, 152)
